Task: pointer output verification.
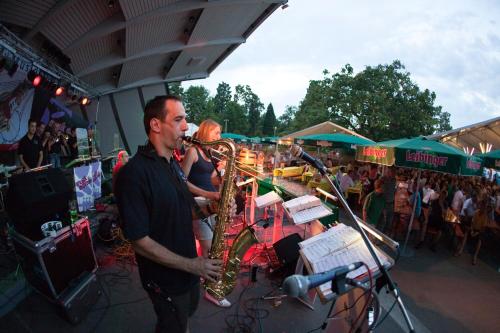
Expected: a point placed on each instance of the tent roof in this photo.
(129, 43)
(338, 137)
(472, 135)
(324, 128)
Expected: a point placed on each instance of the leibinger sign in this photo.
(473, 165)
(375, 152)
(421, 157)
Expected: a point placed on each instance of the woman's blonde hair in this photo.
(205, 127)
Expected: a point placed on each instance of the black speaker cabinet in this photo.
(287, 249)
(55, 264)
(35, 198)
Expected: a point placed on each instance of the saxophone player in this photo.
(202, 179)
(156, 209)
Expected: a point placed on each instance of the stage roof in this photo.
(117, 45)
(472, 135)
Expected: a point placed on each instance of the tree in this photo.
(380, 102)
(175, 88)
(197, 103)
(286, 119)
(235, 114)
(253, 107)
(222, 98)
(269, 121)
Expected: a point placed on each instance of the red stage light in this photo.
(37, 80)
(59, 91)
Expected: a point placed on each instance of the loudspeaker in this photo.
(287, 249)
(34, 198)
(287, 252)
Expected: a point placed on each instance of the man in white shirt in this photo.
(346, 181)
(458, 201)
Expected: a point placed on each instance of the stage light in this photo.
(83, 100)
(37, 80)
(59, 91)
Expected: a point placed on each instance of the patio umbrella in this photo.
(421, 154)
(192, 128)
(491, 159)
(235, 137)
(270, 139)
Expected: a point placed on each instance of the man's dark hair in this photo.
(156, 109)
(32, 121)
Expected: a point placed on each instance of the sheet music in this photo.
(311, 214)
(301, 203)
(267, 199)
(339, 246)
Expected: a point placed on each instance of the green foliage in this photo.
(253, 107)
(222, 98)
(380, 102)
(286, 120)
(175, 88)
(269, 121)
(198, 104)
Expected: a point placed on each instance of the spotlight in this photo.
(37, 80)
(59, 91)
(83, 100)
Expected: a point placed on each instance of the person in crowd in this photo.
(389, 186)
(55, 149)
(458, 199)
(202, 179)
(40, 129)
(374, 205)
(427, 193)
(478, 225)
(329, 163)
(497, 206)
(437, 209)
(72, 143)
(346, 181)
(122, 159)
(156, 210)
(45, 147)
(29, 150)
(466, 215)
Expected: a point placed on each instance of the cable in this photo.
(387, 313)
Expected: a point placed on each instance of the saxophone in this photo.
(246, 238)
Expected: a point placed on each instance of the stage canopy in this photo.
(477, 136)
(117, 45)
(324, 128)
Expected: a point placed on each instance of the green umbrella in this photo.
(491, 159)
(270, 139)
(335, 140)
(420, 153)
(255, 139)
(235, 137)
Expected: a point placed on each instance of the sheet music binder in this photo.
(305, 209)
(338, 246)
(267, 199)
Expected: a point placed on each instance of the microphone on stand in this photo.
(298, 285)
(297, 151)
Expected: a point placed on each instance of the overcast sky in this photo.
(451, 47)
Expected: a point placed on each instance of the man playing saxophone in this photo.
(156, 209)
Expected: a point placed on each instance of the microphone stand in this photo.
(382, 269)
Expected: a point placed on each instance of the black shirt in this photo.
(30, 149)
(151, 205)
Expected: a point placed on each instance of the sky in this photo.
(451, 47)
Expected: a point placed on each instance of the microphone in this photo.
(298, 285)
(297, 151)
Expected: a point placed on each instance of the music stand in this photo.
(385, 274)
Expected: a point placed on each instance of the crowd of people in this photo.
(53, 143)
